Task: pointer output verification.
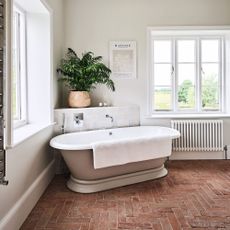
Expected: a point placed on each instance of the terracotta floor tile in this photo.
(194, 195)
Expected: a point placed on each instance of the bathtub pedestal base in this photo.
(90, 186)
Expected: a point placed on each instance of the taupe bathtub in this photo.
(76, 149)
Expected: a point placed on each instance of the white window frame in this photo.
(21, 70)
(155, 33)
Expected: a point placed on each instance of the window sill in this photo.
(185, 116)
(27, 131)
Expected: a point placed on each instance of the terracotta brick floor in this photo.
(195, 195)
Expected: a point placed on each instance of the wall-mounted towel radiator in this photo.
(2, 75)
(198, 135)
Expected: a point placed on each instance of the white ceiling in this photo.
(33, 6)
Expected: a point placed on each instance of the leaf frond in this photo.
(84, 73)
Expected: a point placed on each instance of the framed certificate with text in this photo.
(123, 59)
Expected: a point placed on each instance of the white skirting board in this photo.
(197, 155)
(19, 212)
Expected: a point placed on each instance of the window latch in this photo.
(172, 71)
(202, 71)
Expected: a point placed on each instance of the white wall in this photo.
(25, 163)
(29, 164)
(90, 25)
(38, 67)
(57, 46)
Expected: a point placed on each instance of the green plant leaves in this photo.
(82, 74)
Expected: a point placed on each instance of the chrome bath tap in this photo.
(63, 123)
(112, 123)
(108, 116)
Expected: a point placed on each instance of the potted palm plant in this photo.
(83, 74)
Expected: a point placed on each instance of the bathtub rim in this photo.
(91, 186)
(54, 143)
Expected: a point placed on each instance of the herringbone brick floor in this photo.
(195, 195)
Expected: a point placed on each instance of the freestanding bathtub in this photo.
(76, 149)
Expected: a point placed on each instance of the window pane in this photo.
(186, 86)
(19, 67)
(210, 87)
(162, 74)
(186, 96)
(162, 51)
(162, 98)
(186, 50)
(186, 72)
(210, 50)
(16, 39)
(15, 98)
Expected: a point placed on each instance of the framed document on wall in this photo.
(123, 59)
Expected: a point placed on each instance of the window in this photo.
(19, 90)
(31, 74)
(187, 72)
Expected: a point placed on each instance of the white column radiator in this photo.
(198, 135)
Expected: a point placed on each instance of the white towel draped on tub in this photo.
(119, 152)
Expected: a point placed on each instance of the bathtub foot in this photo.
(90, 186)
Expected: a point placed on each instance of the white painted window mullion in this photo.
(152, 85)
(175, 76)
(198, 76)
(221, 75)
